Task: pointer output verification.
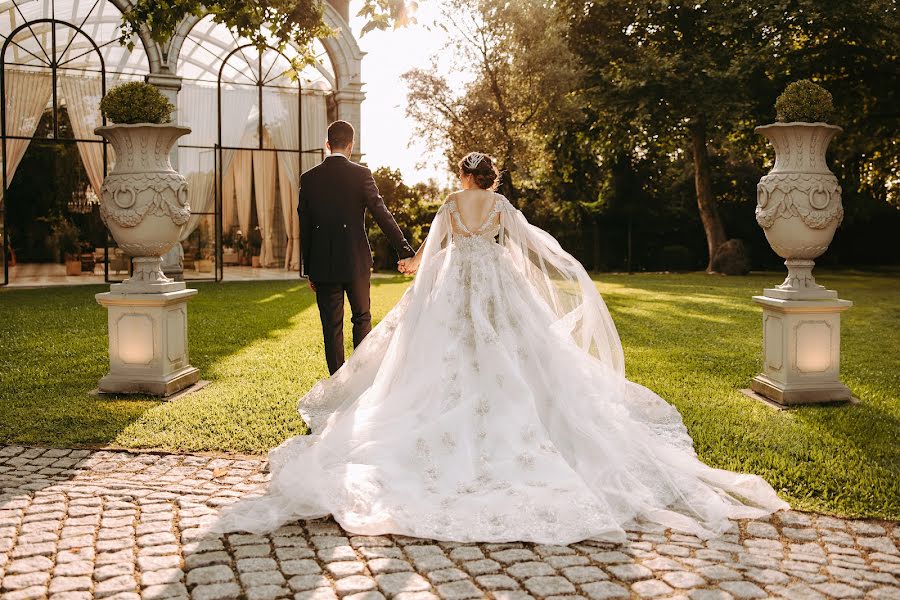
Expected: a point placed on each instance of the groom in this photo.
(336, 256)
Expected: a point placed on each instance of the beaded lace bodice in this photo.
(488, 229)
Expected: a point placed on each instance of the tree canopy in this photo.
(626, 127)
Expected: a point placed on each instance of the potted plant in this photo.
(144, 201)
(204, 264)
(254, 246)
(66, 234)
(240, 245)
(799, 200)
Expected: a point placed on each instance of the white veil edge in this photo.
(564, 285)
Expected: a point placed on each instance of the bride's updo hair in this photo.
(483, 168)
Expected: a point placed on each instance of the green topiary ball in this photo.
(136, 102)
(804, 101)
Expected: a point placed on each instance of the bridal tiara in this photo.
(473, 160)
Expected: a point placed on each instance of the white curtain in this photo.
(315, 127)
(228, 200)
(242, 174)
(288, 166)
(196, 109)
(27, 95)
(281, 116)
(239, 128)
(82, 96)
(264, 185)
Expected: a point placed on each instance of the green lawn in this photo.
(694, 339)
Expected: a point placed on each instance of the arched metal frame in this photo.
(260, 86)
(260, 81)
(53, 64)
(52, 60)
(343, 52)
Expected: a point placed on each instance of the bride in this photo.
(490, 404)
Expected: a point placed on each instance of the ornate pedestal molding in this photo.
(148, 345)
(801, 351)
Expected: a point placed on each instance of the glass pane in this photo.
(240, 115)
(200, 249)
(281, 116)
(99, 23)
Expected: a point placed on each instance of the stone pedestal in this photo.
(801, 351)
(148, 346)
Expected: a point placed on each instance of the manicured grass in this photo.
(694, 339)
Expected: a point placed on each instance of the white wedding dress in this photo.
(490, 404)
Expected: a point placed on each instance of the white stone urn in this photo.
(798, 204)
(144, 201)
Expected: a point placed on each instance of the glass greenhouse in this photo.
(256, 125)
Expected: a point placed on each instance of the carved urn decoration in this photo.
(144, 201)
(798, 204)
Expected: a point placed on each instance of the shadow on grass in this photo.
(53, 351)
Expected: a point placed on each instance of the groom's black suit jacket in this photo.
(333, 199)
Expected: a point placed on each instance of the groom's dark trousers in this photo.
(335, 251)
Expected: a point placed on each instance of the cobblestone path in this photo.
(78, 524)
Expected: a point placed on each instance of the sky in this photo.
(386, 130)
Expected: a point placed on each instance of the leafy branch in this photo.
(278, 23)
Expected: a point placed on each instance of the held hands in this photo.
(408, 266)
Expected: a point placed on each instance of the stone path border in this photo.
(79, 524)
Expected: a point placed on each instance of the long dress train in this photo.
(490, 404)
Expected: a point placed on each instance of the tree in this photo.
(263, 22)
(413, 208)
(674, 69)
(523, 77)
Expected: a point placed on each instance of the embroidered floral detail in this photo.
(549, 447)
(525, 460)
(466, 488)
(448, 440)
(422, 450)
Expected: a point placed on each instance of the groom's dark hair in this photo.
(340, 134)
